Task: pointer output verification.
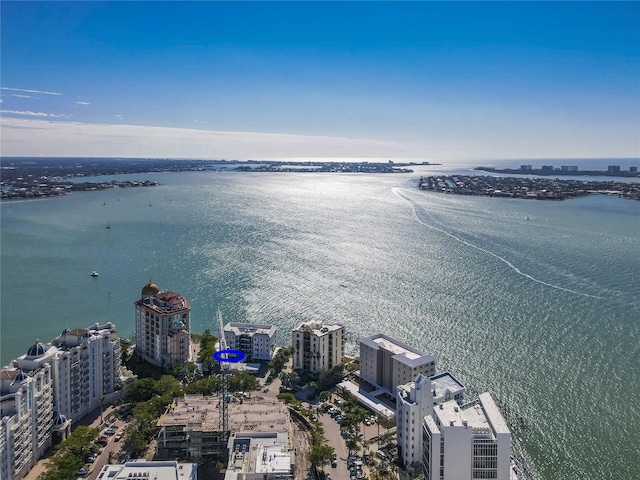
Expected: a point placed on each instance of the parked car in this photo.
(110, 431)
(83, 472)
(118, 437)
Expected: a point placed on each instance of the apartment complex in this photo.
(26, 409)
(414, 401)
(386, 363)
(43, 391)
(466, 443)
(257, 342)
(163, 327)
(317, 346)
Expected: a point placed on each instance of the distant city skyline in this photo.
(449, 82)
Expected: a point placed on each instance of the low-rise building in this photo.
(148, 470)
(257, 342)
(317, 346)
(260, 456)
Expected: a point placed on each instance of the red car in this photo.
(102, 441)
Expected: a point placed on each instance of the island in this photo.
(527, 188)
(41, 177)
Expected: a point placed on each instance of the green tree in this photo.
(141, 390)
(167, 385)
(352, 445)
(70, 454)
(324, 396)
(320, 455)
(243, 382)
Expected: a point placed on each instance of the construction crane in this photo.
(223, 384)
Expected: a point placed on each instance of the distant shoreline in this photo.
(527, 188)
(556, 172)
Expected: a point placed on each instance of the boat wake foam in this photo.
(396, 191)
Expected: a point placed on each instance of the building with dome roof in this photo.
(26, 416)
(71, 376)
(163, 327)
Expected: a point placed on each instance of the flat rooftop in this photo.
(393, 347)
(202, 413)
(446, 385)
(165, 470)
(483, 415)
(318, 328)
(401, 351)
(259, 452)
(250, 328)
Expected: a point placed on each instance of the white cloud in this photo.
(29, 91)
(21, 96)
(33, 114)
(83, 103)
(23, 137)
(47, 137)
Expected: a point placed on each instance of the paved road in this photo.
(92, 420)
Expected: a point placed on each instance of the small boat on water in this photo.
(94, 274)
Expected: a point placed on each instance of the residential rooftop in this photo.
(140, 469)
(202, 413)
(250, 328)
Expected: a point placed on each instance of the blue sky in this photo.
(448, 82)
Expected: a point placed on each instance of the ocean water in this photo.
(535, 302)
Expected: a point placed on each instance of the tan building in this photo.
(163, 327)
(387, 363)
(317, 346)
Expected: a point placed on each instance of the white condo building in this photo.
(414, 401)
(466, 443)
(317, 346)
(51, 385)
(257, 342)
(163, 327)
(387, 363)
(26, 409)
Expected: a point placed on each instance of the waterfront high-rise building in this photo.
(386, 363)
(26, 412)
(317, 346)
(466, 443)
(85, 367)
(50, 386)
(257, 342)
(414, 401)
(163, 327)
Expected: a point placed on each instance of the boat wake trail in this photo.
(488, 252)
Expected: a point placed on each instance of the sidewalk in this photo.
(92, 419)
